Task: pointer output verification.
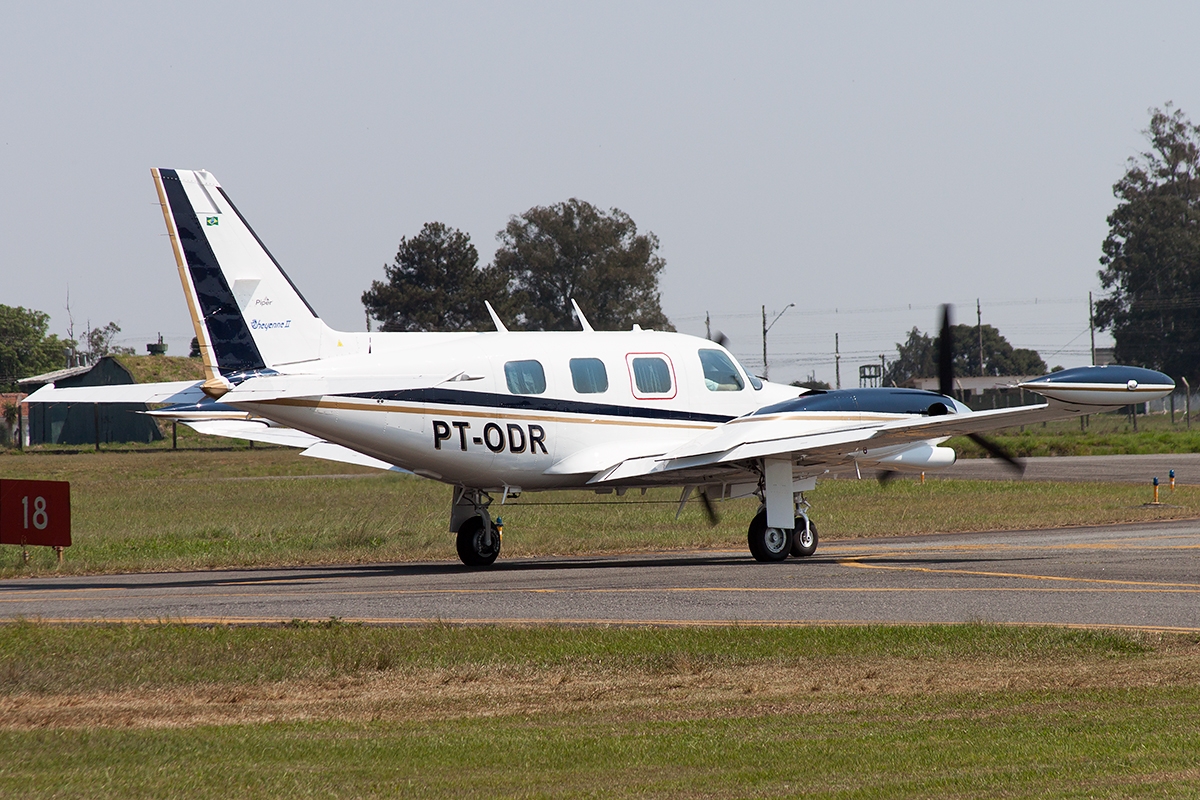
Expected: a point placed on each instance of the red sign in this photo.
(35, 512)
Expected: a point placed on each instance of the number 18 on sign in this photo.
(35, 513)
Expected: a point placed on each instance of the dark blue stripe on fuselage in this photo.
(231, 340)
(517, 402)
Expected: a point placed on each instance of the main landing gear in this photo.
(478, 537)
(776, 544)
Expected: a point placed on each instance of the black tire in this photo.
(475, 547)
(768, 544)
(804, 546)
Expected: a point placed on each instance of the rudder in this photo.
(247, 314)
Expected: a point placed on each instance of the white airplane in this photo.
(500, 413)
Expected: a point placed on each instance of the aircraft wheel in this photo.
(477, 547)
(768, 544)
(804, 543)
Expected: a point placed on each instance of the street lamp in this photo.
(766, 328)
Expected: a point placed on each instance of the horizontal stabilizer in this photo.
(253, 430)
(315, 447)
(335, 452)
(170, 392)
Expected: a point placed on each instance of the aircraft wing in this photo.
(761, 437)
(827, 442)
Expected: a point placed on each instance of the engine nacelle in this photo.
(920, 457)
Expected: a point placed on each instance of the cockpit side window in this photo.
(720, 375)
(525, 377)
(588, 375)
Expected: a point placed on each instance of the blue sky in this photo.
(865, 161)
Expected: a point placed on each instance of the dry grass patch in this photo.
(166, 674)
(811, 686)
(350, 711)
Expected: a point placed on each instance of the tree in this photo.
(918, 357)
(25, 349)
(99, 342)
(435, 283)
(1152, 252)
(572, 250)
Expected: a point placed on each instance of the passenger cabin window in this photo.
(525, 377)
(651, 375)
(589, 376)
(720, 375)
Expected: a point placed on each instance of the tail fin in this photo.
(247, 313)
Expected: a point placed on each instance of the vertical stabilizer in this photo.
(247, 313)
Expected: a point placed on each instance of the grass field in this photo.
(338, 710)
(174, 510)
(351, 711)
(1104, 435)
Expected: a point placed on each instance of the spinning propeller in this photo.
(946, 387)
(713, 519)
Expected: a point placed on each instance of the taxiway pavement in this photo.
(1100, 469)
(1138, 576)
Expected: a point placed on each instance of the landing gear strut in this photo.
(782, 502)
(478, 537)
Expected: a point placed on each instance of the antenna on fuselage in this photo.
(583, 321)
(495, 318)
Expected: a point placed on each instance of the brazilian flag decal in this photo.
(211, 220)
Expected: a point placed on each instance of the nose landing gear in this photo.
(478, 538)
(478, 541)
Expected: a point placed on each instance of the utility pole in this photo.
(707, 327)
(837, 362)
(1092, 325)
(1187, 403)
(766, 328)
(765, 370)
(979, 326)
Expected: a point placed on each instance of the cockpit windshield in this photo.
(720, 375)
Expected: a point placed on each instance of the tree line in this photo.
(918, 356)
(547, 256)
(27, 348)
